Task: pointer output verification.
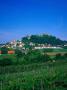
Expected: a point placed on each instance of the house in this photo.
(0, 52)
(11, 52)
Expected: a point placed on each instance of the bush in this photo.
(59, 57)
(65, 55)
(19, 55)
(36, 56)
(4, 50)
(46, 57)
(32, 56)
(5, 62)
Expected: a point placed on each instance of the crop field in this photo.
(54, 53)
(45, 76)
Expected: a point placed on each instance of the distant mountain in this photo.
(43, 39)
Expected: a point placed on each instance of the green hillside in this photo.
(43, 39)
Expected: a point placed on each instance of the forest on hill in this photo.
(44, 39)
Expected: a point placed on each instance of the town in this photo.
(26, 45)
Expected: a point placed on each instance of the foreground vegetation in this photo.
(45, 77)
(34, 70)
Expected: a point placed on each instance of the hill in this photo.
(43, 39)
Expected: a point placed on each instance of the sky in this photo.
(19, 18)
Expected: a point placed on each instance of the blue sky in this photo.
(25, 17)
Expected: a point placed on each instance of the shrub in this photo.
(36, 56)
(4, 50)
(5, 62)
(19, 55)
(59, 57)
(46, 57)
(65, 55)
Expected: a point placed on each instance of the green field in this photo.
(7, 56)
(45, 76)
(34, 76)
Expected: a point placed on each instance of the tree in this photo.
(4, 50)
(19, 54)
(45, 58)
(58, 56)
(43, 39)
(36, 56)
(65, 55)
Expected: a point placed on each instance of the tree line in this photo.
(32, 56)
